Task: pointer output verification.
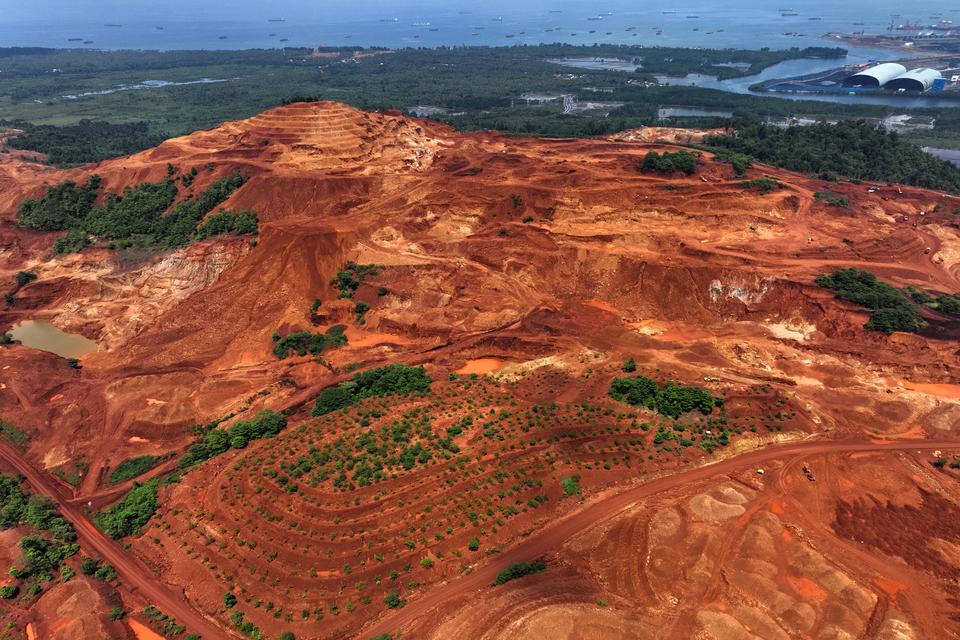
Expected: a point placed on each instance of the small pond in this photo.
(38, 334)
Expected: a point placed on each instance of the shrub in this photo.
(388, 380)
(11, 432)
(304, 342)
(518, 570)
(117, 613)
(830, 198)
(630, 366)
(75, 241)
(10, 591)
(393, 601)
(63, 206)
(130, 514)
(570, 485)
(224, 222)
(668, 162)
(133, 467)
(88, 566)
(349, 280)
(215, 441)
(229, 600)
(474, 544)
(671, 400)
(763, 185)
(23, 278)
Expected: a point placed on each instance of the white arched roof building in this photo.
(877, 76)
(914, 80)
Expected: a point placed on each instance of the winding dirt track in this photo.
(551, 537)
(130, 570)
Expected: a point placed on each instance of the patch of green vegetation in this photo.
(518, 570)
(349, 280)
(303, 342)
(918, 295)
(41, 556)
(138, 216)
(6, 338)
(133, 467)
(948, 303)
(892, 309)
(241, 223)
(215, 441)
(855, 149)
(763, 185)
(393, 601)
(23, 278)
(831, 198)
(72, 472)
(84, 142)
(63, 206)
(75, 241)
(129, 515)
(670, 400)
(391, 379)
(10, 431)
(670, 162)
(570, 485)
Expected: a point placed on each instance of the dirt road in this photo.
(133, 573)
(550, 538)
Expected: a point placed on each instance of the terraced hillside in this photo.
(611, 353)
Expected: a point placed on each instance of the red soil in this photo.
(555, 256)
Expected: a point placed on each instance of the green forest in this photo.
(84, 142)
(143, 215)
(853, 149)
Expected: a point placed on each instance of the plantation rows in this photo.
(362, 506)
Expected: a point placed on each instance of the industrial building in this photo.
(895, 77)
(877, 76)
(915, 80)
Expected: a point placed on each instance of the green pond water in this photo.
(38, 334)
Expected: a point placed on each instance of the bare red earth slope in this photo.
(545, 264)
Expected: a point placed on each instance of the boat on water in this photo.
(420, 24)
(88, 42)
(74, 39)
(272, 35)
(284, 40)
(789, 14)
(815, 18)
(221, 37)
(434, 29)
(594, 18)
(389, 19)
(111, 24)
(276, 20)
